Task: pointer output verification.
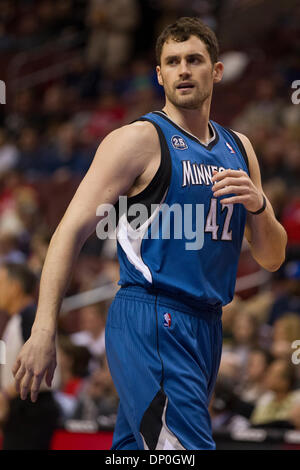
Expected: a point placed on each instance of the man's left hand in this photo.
(239, 183)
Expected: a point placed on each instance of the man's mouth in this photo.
(185, 86)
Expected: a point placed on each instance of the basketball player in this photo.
(163, 333)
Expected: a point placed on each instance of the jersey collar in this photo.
(211, 143)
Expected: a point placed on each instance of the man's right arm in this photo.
(120, 159)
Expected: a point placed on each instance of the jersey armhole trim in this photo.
(154, 191)
(240, 146)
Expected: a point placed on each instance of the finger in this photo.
(35, 386)
(235, 200)
(230, 181)
(25, 385)
(16, 367)
(50, 374)
(223, 174)
(19, 376)
(231, 190)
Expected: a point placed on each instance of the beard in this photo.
(193, 100)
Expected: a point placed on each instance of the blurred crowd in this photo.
(49, 132)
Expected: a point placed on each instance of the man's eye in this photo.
(194, 60)
(172, 61)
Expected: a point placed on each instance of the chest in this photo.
(193, 166)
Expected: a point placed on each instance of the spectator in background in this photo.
(6, 40)
(7, 17)
(19, 207)
(73, 363)
(28, 32)
(67, 150)
(110, 267)
(92, 331)
(140, 103)
(257, 364)
(245, 336)
(277, 193)
(286, 330)
(22, 112)
(38, 249)
(289, 300)
(275, 405)
(272, 156)
(30, 152)
(230, 370)
(82, 80)
(294, 416)
(108, 115)
(9, 155)
(61, 152)
(25, 425)
(45, 14)
(169, 12)
(9, 249)
(230, 311)
(65, 21)
(55, 108)
(264, 110)
(111, 26)
(227, 407)
(98, 400)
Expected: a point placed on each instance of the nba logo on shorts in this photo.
(178, 142)
(167, 320)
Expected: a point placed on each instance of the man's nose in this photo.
(184, 69)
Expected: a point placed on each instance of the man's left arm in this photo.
(266, 236)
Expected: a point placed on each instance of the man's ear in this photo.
(159, 76)
(218, 72)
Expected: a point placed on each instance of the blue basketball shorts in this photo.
(164, 356)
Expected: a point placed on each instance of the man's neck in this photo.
(194, 121)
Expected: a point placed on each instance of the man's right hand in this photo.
(36, 360)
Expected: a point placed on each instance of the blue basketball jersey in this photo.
(161, 252)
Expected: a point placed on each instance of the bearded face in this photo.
(186, 73)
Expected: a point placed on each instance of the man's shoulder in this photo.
(136, 133)
(135, 144)
(127, 150)
(139, 137)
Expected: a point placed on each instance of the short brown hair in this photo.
(185, 27)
